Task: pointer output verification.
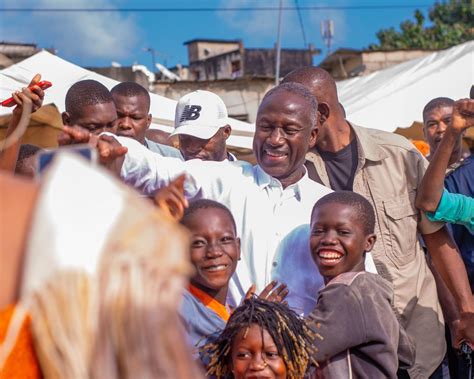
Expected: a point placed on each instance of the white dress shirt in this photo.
(164, 150)
(272, 222)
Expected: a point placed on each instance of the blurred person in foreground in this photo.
(74, 296)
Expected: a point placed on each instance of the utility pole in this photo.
(152, 51)
(278, 46)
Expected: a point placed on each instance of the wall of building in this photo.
(241, 96)
(203, 49)
(215, 68)
(122, 74)
(261, 62)
(378, 60)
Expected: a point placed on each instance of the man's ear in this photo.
(370, 242)
(313, 136)
(148, 120)
(227, 131)
(66, 117)
(324, 111)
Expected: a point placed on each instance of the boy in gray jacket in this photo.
(361, 335)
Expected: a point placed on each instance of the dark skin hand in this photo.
(28, 97)
(272, 292)
(110, 152)
(171, 198)
(432, 185)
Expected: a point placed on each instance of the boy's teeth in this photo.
(217, 268)
(330, 255)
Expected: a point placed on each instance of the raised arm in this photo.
(432, 185)
(28, 100)
(148, 171)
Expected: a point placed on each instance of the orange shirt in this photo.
(22, 361)
(210, 302)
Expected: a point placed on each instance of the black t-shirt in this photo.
(341, 166)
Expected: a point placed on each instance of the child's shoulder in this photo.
(364, 282)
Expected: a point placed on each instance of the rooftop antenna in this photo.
(327, 32)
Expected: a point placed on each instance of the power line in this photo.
(231, 9)
(301, 23)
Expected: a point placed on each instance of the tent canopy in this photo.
(396, 96)
(64, 74)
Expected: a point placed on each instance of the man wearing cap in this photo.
(202, 126)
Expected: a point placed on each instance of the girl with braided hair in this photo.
(261, 339)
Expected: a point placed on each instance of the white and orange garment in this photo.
(97, 256)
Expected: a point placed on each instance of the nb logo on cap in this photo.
(190, 112)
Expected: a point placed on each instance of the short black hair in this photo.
(365, 210)
(130, 89)
(437, 103)
(299, 90)
(196, 205)
(290, 333)
(26, 151)
(84, 93)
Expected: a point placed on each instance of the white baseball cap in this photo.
(200, 114)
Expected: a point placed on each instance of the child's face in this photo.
(254, 357)
(215, 249)
(338, 240)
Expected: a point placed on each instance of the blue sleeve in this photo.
(454, 208)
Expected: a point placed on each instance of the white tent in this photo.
(63, 74)
(395, 97)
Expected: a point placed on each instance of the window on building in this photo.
(235, 67)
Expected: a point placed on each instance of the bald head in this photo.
(317, 80)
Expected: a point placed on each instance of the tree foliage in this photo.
(451, 23)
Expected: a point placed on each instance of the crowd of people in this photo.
(343, 253)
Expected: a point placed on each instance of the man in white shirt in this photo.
(132, 103)
(202, 126)
(271, 202)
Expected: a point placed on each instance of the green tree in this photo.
(451, 23)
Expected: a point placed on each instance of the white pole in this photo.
(278, 47)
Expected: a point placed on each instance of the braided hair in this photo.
(292, 337)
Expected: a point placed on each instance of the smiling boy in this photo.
(363, 337)
(214, 253)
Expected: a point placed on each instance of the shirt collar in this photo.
(369, 148)
(231, 157)
(264, 180)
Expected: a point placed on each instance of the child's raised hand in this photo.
(272, 292)
(31, 93)
(463, 115)
(171, 198)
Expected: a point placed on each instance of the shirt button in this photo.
(275, 264)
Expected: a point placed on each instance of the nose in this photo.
(441, 127)
(276, 137)
(258, 363)
(329, 238)
(214, 250)
(124, 123)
